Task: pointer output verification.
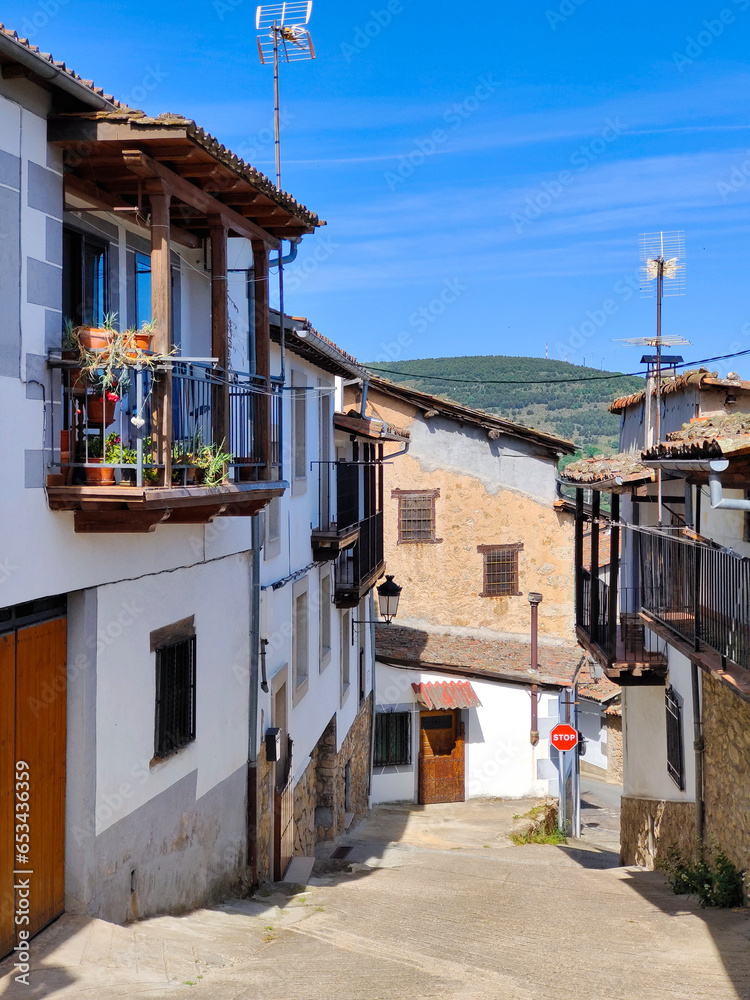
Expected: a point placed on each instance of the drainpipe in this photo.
(698, 746)
(718, 502)
(252, 760)
(534, 600)
(280, 262)
(363, 408)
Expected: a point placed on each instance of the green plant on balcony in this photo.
(211, 462)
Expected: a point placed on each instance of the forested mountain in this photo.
(533, 392)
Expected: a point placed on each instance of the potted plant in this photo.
(94, 338)
(212, 463)
(95, 473)
(100, 409)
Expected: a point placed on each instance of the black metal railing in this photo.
(699, 591)
(355, 566)
(600, 603)
(111, 434)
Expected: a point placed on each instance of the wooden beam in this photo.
(263, 348)
(115, 521)
(220, 328)
(181, 189)
(161, 311)
(196, 515)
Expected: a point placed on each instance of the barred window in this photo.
(500, 577)
(392, 738)
(675, 757)
(175, 696)
(416, 515)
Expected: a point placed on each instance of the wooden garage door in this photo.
(33, 667)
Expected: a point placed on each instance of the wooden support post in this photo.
(614, 573)
(579, 556)
(220, 330)
(263, 352)
(595, 505)
(161, 312)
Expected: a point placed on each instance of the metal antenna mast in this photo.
(662, 258)
(284, 37)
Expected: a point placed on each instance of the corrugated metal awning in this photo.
(449, 694)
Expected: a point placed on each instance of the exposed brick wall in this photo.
(650, 827)
(726, 735)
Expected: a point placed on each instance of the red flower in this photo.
(112, 397)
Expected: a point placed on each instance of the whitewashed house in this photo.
(672, 626)
(129, 617)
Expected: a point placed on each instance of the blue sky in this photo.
(484, 174)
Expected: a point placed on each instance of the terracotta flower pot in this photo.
(76, 377)
(99, 476)
(100, 411)
(94, 338)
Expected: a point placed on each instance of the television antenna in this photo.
(284, 37)
(662, 260)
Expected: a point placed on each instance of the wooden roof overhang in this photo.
(114, 162)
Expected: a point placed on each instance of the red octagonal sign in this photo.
(564, 737)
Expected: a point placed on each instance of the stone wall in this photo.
(614, 748)
(651, 827)
(304, 811)
(726, 736)
(356, 750)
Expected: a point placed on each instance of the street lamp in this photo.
(388, 598)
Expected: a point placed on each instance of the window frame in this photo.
(506, 547)
(300, 590)
(75, 243)
(345, 675)
(389, 719)
(325, 615)
(405, 495)
(299, 432)
(674, 737)
(179, 634)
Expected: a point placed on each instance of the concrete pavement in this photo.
(430, 902)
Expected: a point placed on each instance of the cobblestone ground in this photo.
(429, 903)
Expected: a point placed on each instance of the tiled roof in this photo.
(140, 120)
(448, 694)
(506, 659)
(46, 57)
(697, 378)
(466, 414)
(601, 690)
(706, 437)
(625, 467)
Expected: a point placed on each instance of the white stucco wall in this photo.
(499, 758)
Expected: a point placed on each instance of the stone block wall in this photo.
(356, 751)
(265, 814)
(304, 811)
(651, 827)
(726, 736)
(614, 748)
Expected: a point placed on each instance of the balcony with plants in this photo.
(142, 437)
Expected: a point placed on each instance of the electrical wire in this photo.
(545, 381)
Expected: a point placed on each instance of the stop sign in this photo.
(564, 737)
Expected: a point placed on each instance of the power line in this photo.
(546, 381)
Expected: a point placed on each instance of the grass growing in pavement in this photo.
(544, 828)
(555, 836)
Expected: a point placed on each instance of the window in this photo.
(301, 651)
(346, 649)
(299, 432)
(500, 569)
(175, 688)
(416, 515)
(325, 620)
(392, 738)
(675, 762)
(272, 541)
(142, 289)
(85, 291)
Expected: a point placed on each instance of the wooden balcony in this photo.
(113, 466)
(360, 567)
(626, 662)
(338, 506)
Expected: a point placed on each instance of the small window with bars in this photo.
(392, 738)
(500, 577)
(416, 515)
(175, 696)
(675, 755)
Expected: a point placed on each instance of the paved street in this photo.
(429, 903)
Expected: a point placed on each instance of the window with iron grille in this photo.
(175, 696)
(675, 756)
(392, 738)
(416, 515)
(500, 570)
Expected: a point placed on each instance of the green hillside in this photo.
(574, 410)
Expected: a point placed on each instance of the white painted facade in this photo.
(500, 761)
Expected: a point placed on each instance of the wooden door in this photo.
(33, 726)
(441, 757)
(7, 768)
(283, 819)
